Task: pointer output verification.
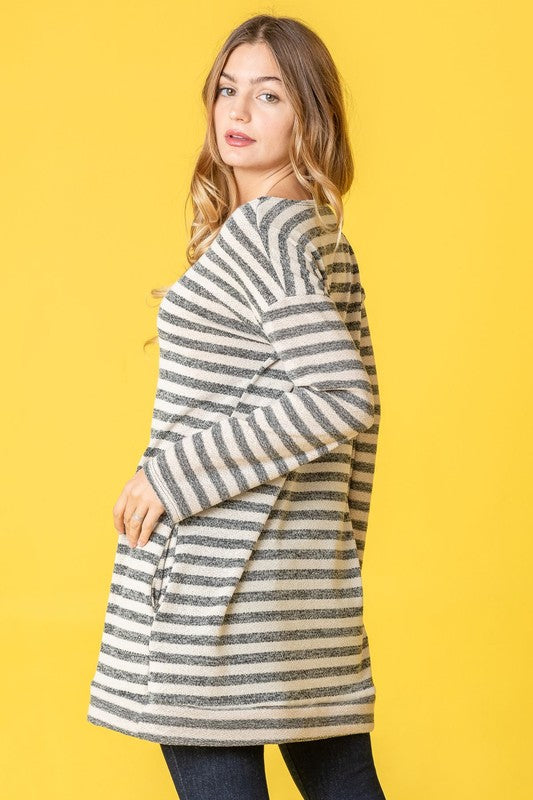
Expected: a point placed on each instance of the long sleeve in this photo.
(364, 449)
(331, 399)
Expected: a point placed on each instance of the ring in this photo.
(136, 516)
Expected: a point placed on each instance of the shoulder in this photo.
(294, 219)
(297, 220)
(295, 239)
(282, 222)
(284, 241)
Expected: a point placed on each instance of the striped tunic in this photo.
(241, 620)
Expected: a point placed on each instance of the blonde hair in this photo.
(319, 149)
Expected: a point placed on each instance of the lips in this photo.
(238, 135)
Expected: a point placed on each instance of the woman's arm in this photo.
(331, 400)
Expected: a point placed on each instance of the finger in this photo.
(118, 512)
(134, 521)
(148, 526)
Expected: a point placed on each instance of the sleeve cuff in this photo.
(156, 469)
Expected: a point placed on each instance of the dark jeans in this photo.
(336, 768)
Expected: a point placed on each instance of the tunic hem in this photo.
(302, 734)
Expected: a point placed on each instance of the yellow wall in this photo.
(102, 122)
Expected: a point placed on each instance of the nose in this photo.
(238, 112)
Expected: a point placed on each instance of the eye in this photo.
(228, 88)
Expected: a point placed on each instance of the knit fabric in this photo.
(241, 620)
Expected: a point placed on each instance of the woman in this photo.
(235, 610)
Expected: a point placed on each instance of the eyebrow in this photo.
(260, 79)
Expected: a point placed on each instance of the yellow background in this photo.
(102, 123)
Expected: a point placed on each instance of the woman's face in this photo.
(261, 110)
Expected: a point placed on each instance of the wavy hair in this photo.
(319, 148)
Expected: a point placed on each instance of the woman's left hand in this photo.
(137, 510)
